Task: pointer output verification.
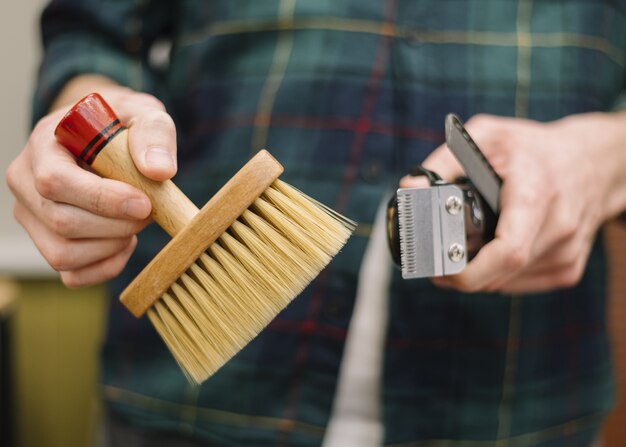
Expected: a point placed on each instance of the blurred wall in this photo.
(19, 47)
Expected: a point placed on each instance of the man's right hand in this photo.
(85, 226)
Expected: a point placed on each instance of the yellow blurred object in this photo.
(56, 335)
(8, 291)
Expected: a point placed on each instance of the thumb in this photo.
(152, 141)
(444, 163)
(440, 161)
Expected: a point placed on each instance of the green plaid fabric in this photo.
(348, 94)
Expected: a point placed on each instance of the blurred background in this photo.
(50, 336)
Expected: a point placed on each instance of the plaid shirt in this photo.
(348, 94)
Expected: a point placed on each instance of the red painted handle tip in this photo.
(88, 126)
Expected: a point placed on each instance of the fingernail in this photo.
(157, 157)
(136, 208)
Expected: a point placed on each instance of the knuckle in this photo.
(46, 183)
(489, 133)
(567, 256)
(518, 258)
(98, 201)
(464, 284)
(73, 280)
(485, 125)
(469, 288)
(531, 197)
(495, 287)
(61, 223)
(59, 260)
(10, 176)
(17, 213)
(567, 227)
(112, 271)
(159, 120)
(133, 227)
(44, 124)
(115, 266)
(571, 276)
(41, 135)
(545, 189)
(150, 101)
(480, 120)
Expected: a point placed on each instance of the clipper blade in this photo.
(432, 237)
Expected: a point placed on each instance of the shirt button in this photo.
(372, 172)
(413, 38)
(134, 44)
(333, 309)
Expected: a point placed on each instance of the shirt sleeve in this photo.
(110, 38)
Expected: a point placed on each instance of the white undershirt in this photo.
(355, 419)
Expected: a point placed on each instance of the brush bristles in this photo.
(246, 277)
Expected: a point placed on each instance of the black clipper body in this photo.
(435, 231)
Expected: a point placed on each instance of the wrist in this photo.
(603, 137)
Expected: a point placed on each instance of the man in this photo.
(349, 95)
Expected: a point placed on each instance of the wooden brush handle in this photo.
(90, 127)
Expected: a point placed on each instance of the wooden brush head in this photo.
(206, 226)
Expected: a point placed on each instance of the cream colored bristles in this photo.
(246, 277)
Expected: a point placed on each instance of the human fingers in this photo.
(71, 221)
(46, 171)
(494, 262)
(74, 223)
(535, 281)
(67, 254)
(561, 266)
(523, 212)
(101, 271)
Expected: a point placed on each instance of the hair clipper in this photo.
(435, 231)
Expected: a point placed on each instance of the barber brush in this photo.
(229, 267)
